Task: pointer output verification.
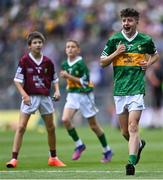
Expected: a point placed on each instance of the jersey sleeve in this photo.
(55, 78)
(109, 48)
(151, 48)
(19, 75)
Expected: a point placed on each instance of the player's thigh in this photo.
(23, 120)
(68, 114)
(123, 121)
(92, 121)
(71, 106)
(134, 117)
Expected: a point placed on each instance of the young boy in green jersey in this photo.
(80, 97)
(131, 53)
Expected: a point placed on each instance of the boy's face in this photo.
(36, 45)
(129, 25)
(72, 50)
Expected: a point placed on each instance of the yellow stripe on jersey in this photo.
(71, 84)
(129, 59)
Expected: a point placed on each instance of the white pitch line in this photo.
(77, 171)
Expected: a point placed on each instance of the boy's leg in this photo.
(142, 144)
(123, 123)
(133, 128)
(23, 120)
(48, 119)
(128, 129)
(134, 140)
(80, 146)
(53, 160)
(68, 115)
(107, 155)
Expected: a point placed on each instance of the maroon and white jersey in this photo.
(35, 75)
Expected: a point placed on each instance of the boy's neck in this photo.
(37, 56)
(72, 58)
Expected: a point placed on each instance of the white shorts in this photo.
(42, 103)
(130, 103)
(83, 102)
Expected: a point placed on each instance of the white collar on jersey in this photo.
(70, 63)
(129, 39)
(34, 59)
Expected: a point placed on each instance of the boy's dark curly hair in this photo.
(130, 12)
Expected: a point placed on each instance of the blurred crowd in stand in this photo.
(88, 21)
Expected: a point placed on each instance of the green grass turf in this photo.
(34, 154)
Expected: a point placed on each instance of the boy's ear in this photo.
(29, 46)
(137, 20)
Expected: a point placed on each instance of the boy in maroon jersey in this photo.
(33, 79)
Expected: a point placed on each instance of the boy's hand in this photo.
(64, 74)
(121, 48)
(56, 96)
(26, 100)
(144, 65)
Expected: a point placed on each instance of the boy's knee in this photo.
(66, 123)
(133, 128)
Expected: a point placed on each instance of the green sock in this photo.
(132, 159)
(72, 132)
(103, 141)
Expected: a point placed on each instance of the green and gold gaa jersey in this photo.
(78, 69)
(128, 75)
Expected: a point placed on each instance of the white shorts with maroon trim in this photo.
(42, 103)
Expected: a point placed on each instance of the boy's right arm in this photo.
(107, 60)
(25, 96)
(66, 75)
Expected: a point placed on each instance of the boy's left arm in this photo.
(57, 94)
(151, 60)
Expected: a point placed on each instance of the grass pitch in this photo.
(34, 155)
